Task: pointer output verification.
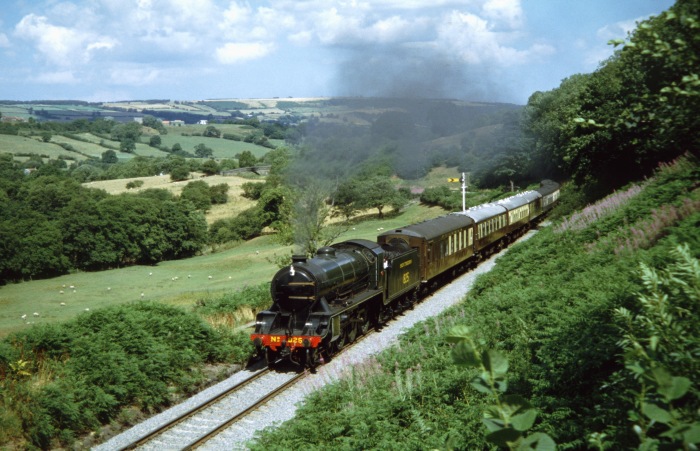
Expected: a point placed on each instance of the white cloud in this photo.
(473, 39)
(506, 12)
(59, 45)
(237, 52)
(618, 30)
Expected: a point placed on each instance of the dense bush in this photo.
(63, 380)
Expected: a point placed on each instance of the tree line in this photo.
(640, 107)
(51, 224)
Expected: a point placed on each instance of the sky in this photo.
(477, 50)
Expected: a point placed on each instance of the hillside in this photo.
(236, 202)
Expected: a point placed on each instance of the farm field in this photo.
(222, 148)
(236, 202)
(177, 282)
(21, 145)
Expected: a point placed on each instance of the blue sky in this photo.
(481, 50)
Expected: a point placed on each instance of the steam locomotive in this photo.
(323, 303)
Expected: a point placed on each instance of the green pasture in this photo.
(87, 148)
(22, 145)
(178, 282)
(223, 148)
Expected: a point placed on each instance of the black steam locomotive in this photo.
(323, 303)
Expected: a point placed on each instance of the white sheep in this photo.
(210, 277)
(61, 292)
(24, 316)
(63, 304)
(36, 313)
(87, 309)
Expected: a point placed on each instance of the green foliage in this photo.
(50, 224)
(639, 108)
(134, 184)
(212, 132)
(512, 415)
(154, 141)
(248, 224)
(659, 344)
(210, 167)
(252, 297)
(197, 192)
(202, 151)
(246, 159)
(146, 352)
(252, 190)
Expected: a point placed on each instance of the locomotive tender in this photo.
(320, 304)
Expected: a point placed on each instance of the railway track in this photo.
(195, 426)
(198, 424)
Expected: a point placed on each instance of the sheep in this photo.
(210, 277)
(24, 316)
(150, 273)
(36, 313)
(87, 309)
(142, 295)
(109, 288)
(60, 292)
(63, 304)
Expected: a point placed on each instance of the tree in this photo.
(219, 193)
(127, 145)
(210, 167)
(309, 217)
(212, 132)
(130, 130)
(202, 151)
(246, 159)
(198, 193)
(374, 192)
(155, 123)
(109, 157)
(154, 141)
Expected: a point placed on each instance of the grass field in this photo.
(222, 148)
(20, 145)
(236, 202)
(179, 282)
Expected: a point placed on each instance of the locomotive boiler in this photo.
(325, 302)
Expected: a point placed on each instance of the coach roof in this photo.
(432, 228)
